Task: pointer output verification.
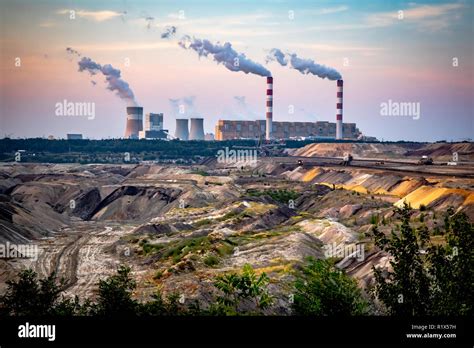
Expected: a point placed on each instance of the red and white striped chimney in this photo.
(269, 114)
(340, 84)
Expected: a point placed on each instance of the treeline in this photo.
(194, 147)
(242, 293)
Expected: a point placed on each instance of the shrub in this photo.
(322, 289)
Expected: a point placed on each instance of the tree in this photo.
(31, 296)
(427, 279)
(242, 292)
(322, 290)
(115, 295)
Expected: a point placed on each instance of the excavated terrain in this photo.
(180, 226)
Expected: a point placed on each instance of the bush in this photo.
(115, 295)
(211, 260)
(322, 290)
(245, 292)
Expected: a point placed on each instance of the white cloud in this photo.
(329, 10)
(98, 16)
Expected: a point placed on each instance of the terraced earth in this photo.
(179, 226)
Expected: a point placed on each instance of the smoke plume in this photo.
(169, 32)
(112, 76)
(304, 66)
(183, 106)
(224, 54)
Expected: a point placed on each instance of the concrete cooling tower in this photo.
(197, 129)
(134, 122)
(182, 130)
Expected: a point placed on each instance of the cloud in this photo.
(424, 17)
(329, 10)
(431, 17)
(98, 16)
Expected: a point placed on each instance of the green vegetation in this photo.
(149, 248)
(324, 290)
(242, 292)
(282, 196)
(200, 172)
(180, 249)
(211, 260)
(202, 222)
(32, 296)
(437, 281)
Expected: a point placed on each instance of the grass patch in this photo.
(282, 196)
(180, 249)
(202, 222)
(211, 260)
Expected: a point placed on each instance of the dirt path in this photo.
(79, 255)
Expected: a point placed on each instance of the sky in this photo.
(386, 51)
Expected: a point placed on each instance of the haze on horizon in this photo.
(424, 54)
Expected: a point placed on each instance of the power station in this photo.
(227, 129)
(193, 128)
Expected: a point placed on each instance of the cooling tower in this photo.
(134, 122)
(197, 129)
(182, 131)
(339, 110)
(269, 114)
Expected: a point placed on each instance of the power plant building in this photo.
(226, 129)
(153, 122)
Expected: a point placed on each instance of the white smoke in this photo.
(224, 54)
(112, 76)
(169, 32)
(304, 66)
(183, 106)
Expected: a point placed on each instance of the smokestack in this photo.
(134, 122)
(182, 130)
(339, 110)
(197, 129)
(269, 114)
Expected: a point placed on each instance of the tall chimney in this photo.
(134, 122)
(269, 114)
(340, 84)
(197, 129)
(182, 130)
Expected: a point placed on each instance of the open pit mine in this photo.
(178, 227)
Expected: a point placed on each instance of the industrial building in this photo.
(74, 136)
(226, 130)
(153, 127)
